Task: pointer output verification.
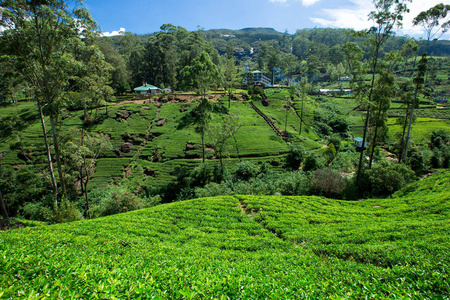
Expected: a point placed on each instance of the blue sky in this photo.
(140, 17)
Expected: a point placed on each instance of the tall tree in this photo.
(388, 14)
(82, 150)
(3, 210)
(419, 81)
(434, 21)
(287, 108)
(221, 132)
(93, 79)
(384, 90)
(303, 89)
(201, 74)
(230, 77)
(41, 36)
(120, 77)
(202, 116)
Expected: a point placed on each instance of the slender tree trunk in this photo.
(84, 182)
(237, 149)
(87, 201)
(411, 116)
(285, 124)
(58, 156)
(86, 196)
(374, 140)
(366, 123)
(49, 159)
(301, 116)
(3, 208)
(402, 140)
(203, 141)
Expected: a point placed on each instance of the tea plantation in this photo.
(243, 247)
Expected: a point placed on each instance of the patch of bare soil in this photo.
(10, 225)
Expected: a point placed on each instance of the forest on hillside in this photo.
(76, 142)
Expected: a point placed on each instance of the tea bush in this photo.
(242, 247)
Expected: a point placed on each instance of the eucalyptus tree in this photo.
(202, 115)
(220, 132)
(82, 150)
(303, 89)
(436, 23)
(287, 108)
(41, 37)
(387, 15)
(229, 77)
(93, 78)
(419, 81)
(3, 210)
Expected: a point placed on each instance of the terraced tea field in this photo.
(242, 247)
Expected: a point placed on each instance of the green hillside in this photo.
(242, 247)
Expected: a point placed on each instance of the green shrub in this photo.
(295, 156)
(246, 170)
(419, 159)
(117, 200)
(36, 211)
(213, 189)
(68, 212)
(328, 183)
(336, 140)
(440, 145)
(312, 162)
(384, 178)
(345, 161)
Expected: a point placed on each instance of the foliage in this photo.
(312, 162)
(440, 146)
(246, 170)
(385, 178)
(117, 200)
(242, 246)
(419, 159)
(328, 183)
(201, 74)
(295, 156)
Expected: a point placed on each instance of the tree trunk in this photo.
(374, 140)
(285, 125)
(58, 156)
(402, 140)
(301, 116)
(3, 208)
(410, 123)
(86, 196)
(49, 159)
(237, 149)
(203, 141)
(366, 125)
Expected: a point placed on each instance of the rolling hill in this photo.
(242, 247)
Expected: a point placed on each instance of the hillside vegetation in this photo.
(242, 247)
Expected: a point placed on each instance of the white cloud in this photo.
(304, 2)
(356, 16)
(115, 32)
(309, 2)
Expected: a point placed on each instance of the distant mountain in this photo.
(247, 41)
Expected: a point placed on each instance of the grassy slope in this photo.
(243, 247)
